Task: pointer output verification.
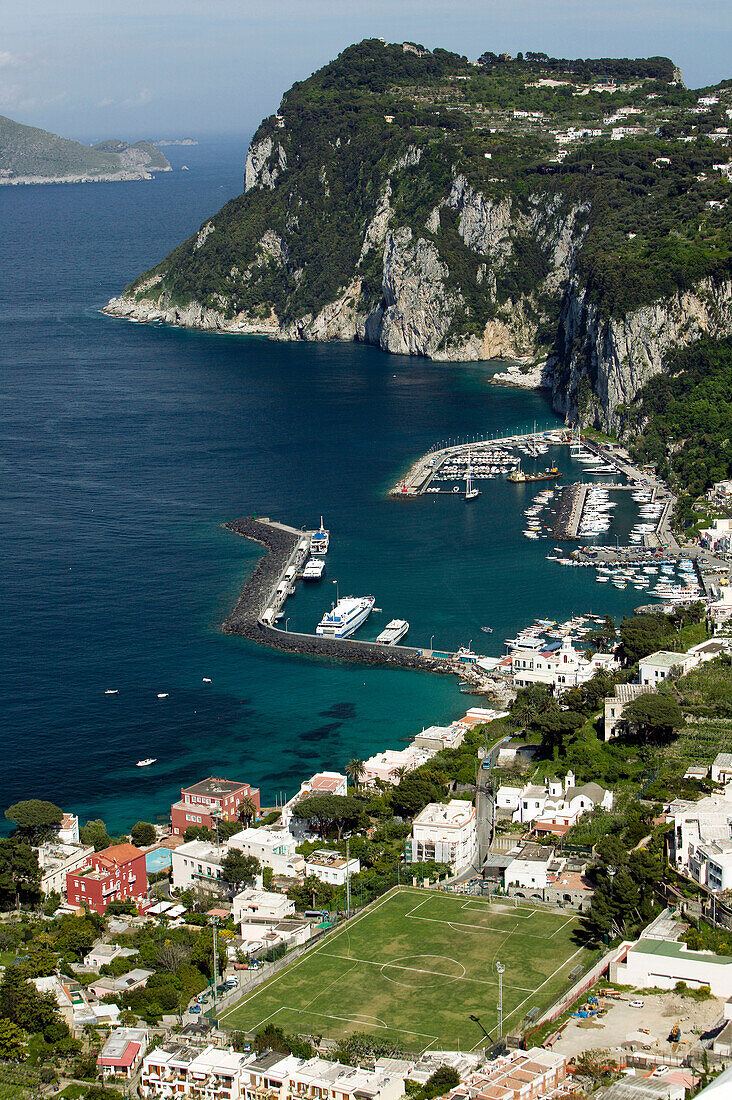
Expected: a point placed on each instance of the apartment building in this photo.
(202, 804)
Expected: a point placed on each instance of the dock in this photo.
(263, 595)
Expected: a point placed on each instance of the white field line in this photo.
(418, 970)
(526, 914)
(568, 921)
(306, 955)
(557, 971)
(458, 926)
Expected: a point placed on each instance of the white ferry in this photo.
(393, 631)
(320, 540)
(346, 617)
(313, 571)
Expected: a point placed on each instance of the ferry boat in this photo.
(320, 540)
(545, 475)
(393, 631)
(146, 762)
(346, 617)
(313, 571)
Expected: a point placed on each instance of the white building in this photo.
(563, 667)
(261, 905)
(446, 833)
(710, 864)
(388, 766)
(698, 824)
(68, 832)
(273, 845)
(554, 800)
(55, 859)
(660, 665)
(331, 867)
(615, 706)
(197, 865)
(318, 1077)
(441, 737)
(320, 783)
(123, 1052)
(175, 1069)
(663, 963)
(722, 768)
(518, 1075)
(531, 867)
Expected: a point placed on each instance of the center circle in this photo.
(422, 971)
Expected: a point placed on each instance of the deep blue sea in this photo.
(124, 449)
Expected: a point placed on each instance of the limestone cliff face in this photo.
(603, 363)
(405, 295)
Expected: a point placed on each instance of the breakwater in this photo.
(246, 621)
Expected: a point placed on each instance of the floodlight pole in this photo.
(348, 882)
(500, 968)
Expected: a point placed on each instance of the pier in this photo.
(263, 595)
(427, 469)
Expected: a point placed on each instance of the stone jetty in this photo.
(246, 619)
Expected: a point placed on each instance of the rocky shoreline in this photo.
(244, 620)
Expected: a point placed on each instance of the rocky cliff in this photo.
(362, 220)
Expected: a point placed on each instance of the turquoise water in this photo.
(124, 449)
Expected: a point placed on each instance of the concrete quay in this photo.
(259, 595)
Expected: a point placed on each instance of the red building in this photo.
(110, 875)
(201, 804)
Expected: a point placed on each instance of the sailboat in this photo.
(470, 492)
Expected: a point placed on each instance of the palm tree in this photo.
(355, 770)
(247, 810)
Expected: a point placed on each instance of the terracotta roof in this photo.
(119, 853)
(126, 1060)
(325, 783)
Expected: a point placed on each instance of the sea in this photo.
(125, 448)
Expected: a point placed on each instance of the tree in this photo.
(20, 875)
(654, 716)
(355, 769)
(238, 869)
(35, 819)
(247, 810)
(312, 893)
(12, 1041)
(414, 792)
(94, 834)
(21, 1002)
(441, 1081)
(143, 834)
(325, 810)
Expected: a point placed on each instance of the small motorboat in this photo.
(112, 691)
(146, 762)
(206, 679)
(487, 629)
(162, 695)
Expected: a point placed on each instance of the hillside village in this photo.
(604, 799)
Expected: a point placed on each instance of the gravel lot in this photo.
(658, 1015)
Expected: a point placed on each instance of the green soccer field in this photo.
(415, 966)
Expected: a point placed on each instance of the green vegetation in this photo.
(682, 421)
(29, 151)
(650, 208)
(418, 967)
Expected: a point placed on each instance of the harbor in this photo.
(273, 582)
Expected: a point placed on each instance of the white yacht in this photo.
(146, 762)
(320, 540)
(313, 571)
(346, 617)
(393, 631)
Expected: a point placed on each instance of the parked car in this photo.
(637, 1004)
(194, 1009)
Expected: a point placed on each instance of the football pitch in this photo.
(415, 966)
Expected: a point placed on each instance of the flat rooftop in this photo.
(664, 659)
(215, 788)
(454, 813)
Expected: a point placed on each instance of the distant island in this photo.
(31, 155)
(174, 141)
